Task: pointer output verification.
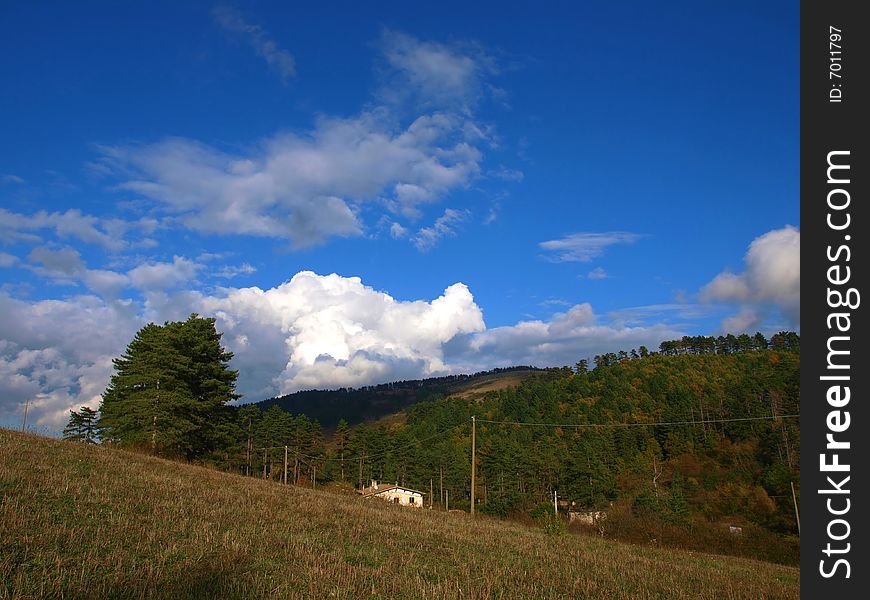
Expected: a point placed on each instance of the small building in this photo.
(586, 517)
(397, 494)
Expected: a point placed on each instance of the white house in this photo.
(396, 494)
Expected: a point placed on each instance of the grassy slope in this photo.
(492, 383)
(470, 391)
(91, 522)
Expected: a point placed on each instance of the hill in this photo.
(91, 522)
(677, 448)
(370, 403)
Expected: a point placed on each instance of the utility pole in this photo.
(285, 465)
(250, 448)
(797, 516)
(154, 424)
(473, 456)
(24, 422)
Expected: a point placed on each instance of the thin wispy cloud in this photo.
(72, 224)
(8, 260)
(660, 313)
(597, 273)
(506, 174)
(444, 226)
(231, 20)
(7, 178)
(309, 187)
(230, 271)
(584, 247)
(434, 74)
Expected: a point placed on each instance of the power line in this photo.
(654, 424)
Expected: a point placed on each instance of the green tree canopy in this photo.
(82, 426)
(170, 390)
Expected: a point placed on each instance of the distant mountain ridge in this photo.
(369, 403)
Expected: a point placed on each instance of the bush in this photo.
(551, 523)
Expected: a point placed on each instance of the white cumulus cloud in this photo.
(162, 275)
(313, 331)
(771, 280)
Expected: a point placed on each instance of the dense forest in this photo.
(699, 434)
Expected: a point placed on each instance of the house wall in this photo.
(403, 496)
(587, 517)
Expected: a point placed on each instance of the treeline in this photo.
(700, 344)
(729, 344)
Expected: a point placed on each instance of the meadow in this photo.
(90, 522)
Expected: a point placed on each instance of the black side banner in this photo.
(835, 421)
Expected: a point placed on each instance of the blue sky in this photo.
(362, 194)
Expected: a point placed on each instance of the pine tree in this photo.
(170, 390)
(341, 440)
(82, 426)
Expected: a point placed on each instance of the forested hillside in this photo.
(689, 476)
(701, 467)
(369, 403)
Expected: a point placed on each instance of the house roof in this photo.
(381, 489)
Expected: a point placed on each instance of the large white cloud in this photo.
(771, 280)
(313, 331)
(57, 354)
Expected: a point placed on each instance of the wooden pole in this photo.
(797, 516)
(264, 463)
(431, 494)
(441, 484)
(447, 498)
(555, 504)
(285, 465)
(473, 453)
(24, 422)
(154, 424)
(249, 448)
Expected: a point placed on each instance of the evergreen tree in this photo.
(170, 390)
(82, 426)
(341, 441)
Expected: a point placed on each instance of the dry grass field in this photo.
(82, 522)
